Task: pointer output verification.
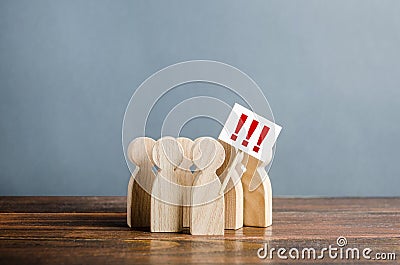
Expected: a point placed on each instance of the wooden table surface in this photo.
(93, 230)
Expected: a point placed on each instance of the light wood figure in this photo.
(140, 183)
(207, 211)
(233, 192)
(166, 199)
(257, 198)
(185, 175)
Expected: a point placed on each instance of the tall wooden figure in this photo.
(207, 211)
(230, 178)
(257, 199)
(186, 177)
(166, 196)
(140, 183)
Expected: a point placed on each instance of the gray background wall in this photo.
(330, 70)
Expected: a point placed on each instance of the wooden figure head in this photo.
(230, 152)
(140, 151)
(167, 153)
(208, 154)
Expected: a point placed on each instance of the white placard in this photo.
(244, 129)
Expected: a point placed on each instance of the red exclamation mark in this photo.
(253, 126)
(239, 126)
(264, 133)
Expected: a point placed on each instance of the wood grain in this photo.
(257, 202)
(233, 194)
(166, 194)
(186, 177)
(207, 208)
(93, 230)
(140, 183)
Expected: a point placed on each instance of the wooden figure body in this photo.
(186, 177)
(139, 187)
(258, 201)
(207, 211)
(166, 197)
(230, 174)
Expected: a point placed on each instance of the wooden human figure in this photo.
(141, 181)
(257, 199)
(233, 191)
(166, 197)
(207, 211)
(185, 175)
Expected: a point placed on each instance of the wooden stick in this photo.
(185, 175)
(140, 183)
(207, 211)
(166, 199)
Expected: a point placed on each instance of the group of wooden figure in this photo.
(203, 185)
